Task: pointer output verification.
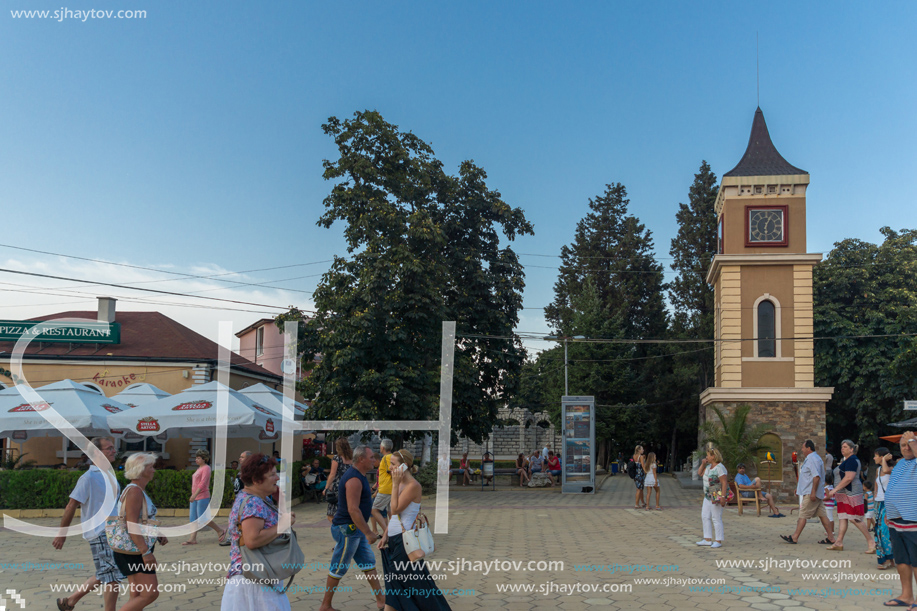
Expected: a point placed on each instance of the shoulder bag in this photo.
(119, 539)
(272, 563)
(418, 541)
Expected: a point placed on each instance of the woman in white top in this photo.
(651, 482)
(408, 585)
(715, 489)
(884, 557)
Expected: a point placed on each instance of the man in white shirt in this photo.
(811, 487)
(544, 453)
(89, 494)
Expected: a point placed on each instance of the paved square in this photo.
(524, 525)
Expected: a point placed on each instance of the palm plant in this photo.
(737, 441)
(9, 462)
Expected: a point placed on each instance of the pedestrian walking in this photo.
(383, 487)
(849, 494)
(408, 585)
(352, 535)
(639, 477)
(810, 489)
(651, 482)
(714, 473)
(200, 497)
(140, 568)
(88, 496)
(253, 523)
(339, 464)
(884, 553)
(901, 517)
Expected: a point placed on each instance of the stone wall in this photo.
(505, 443)
(793, 422)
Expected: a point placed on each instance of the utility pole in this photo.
(566, 338)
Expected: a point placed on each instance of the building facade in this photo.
(152, 348)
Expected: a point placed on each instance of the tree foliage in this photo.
(864, 289)
(424, 247)
(609, 286)
(692, 304)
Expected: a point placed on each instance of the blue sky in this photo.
(191, 140)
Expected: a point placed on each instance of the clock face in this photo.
(766, 226)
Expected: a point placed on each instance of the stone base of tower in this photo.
(791, 414)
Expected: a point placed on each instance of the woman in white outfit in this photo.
(651, 481)
(408, 585)
(713, 473)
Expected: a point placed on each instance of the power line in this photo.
(133, 288)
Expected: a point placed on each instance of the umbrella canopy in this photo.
(272, 399)
(81, 407)
(892, 438)
(905, 424)
(194, 412)
(140, 394)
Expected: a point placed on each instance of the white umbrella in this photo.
(194, 412)
(140, 394)
(272, 399)
(79, 406)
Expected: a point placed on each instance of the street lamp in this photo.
(565, 338)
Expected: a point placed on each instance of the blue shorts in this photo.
(555, 472)
(198, 509)
(351, 545)
(536, 469)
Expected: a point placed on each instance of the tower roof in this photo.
(761, 157)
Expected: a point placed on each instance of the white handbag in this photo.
(418, 542)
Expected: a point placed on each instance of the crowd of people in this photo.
(253, 524)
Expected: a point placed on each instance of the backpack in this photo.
(632, 469)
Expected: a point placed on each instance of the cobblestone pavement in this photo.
(589, 533)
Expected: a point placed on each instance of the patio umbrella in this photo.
(272, 399)
(892, 438)
(79, 406)
(905, 424)
(140, 394)
(193, 413)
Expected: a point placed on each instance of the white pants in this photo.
(243, 595)
(712, 517)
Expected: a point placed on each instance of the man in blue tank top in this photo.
(352, 535)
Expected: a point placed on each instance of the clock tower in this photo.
(762, 279)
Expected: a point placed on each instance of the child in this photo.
(870, 505)
(830, 504)
(651, 482)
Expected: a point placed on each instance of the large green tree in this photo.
(864, 289)
(692, 303)
(424, 246)
(610, 288)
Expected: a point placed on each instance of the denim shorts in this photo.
(198, 509)
(351, 545)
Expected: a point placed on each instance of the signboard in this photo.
(67, 332)
(578, 451)
(910, 406)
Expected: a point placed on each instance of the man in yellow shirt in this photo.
(384, 484)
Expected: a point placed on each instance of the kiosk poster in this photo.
(579, 444)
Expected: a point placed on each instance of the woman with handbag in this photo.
(341, 461)
(133, 551)
(408, 585)
(716, 487)
(253, 523)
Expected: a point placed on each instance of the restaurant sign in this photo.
(69, 332)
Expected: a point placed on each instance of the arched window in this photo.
(767, 329)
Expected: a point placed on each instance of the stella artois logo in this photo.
(111, 408)
(147, 424)
(192, 405)
(261, 409)
(269, 426)
(28, 407)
